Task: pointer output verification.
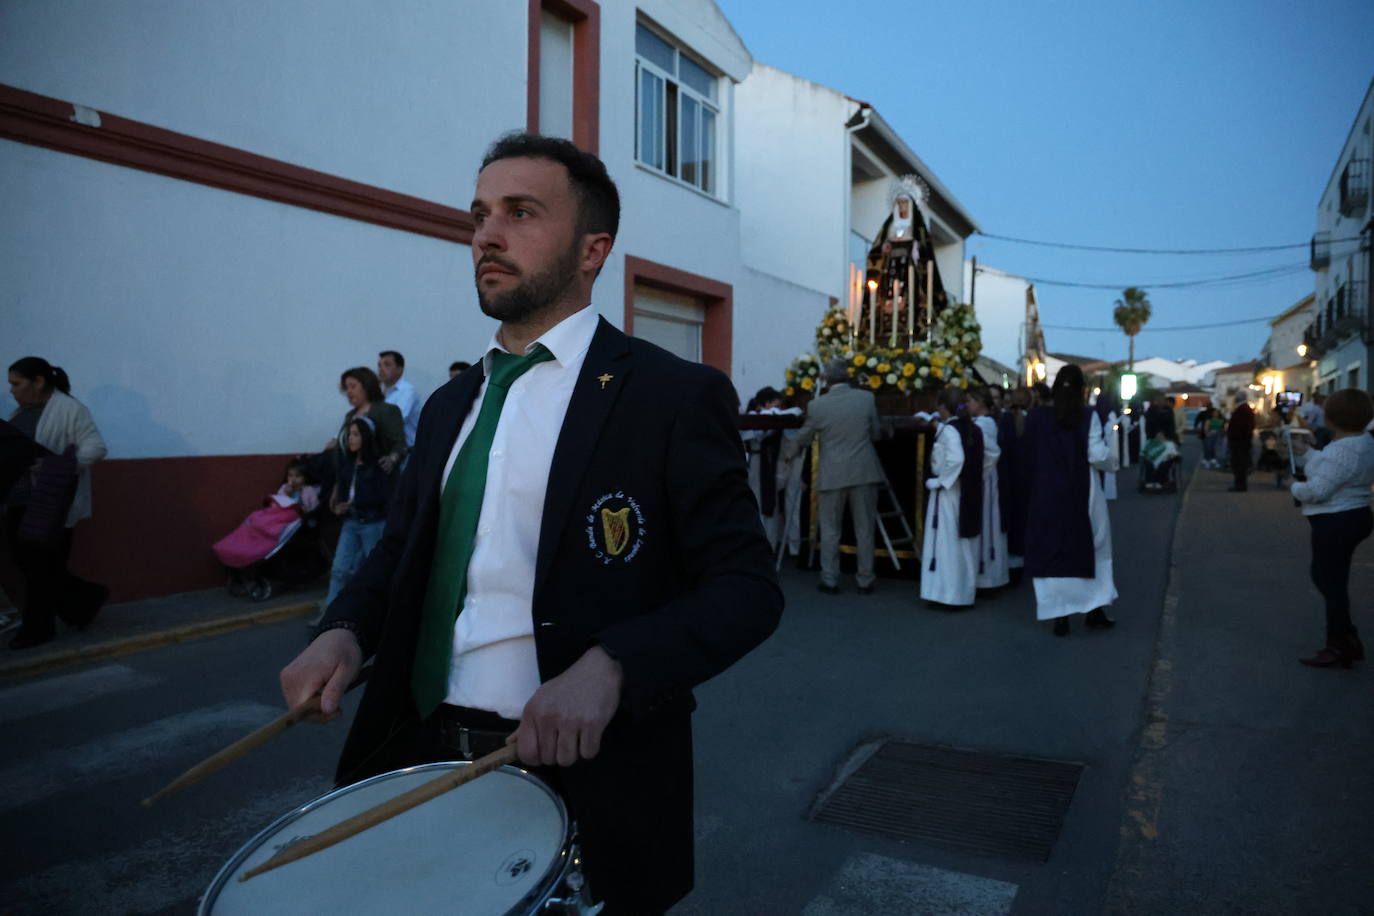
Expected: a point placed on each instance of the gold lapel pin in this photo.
(603, 378)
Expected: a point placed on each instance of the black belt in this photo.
(472, 733)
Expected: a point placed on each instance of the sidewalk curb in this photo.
(154, 640)
(1144, 791)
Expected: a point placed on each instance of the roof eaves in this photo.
(879, 125)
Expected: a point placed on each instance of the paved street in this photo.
(1220, 776)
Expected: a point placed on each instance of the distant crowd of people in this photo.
(1019, 483)
(998, 459)
(50, 442)
(352, 478)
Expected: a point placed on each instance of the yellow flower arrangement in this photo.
(945, 359)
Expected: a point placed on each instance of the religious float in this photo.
(903, 340)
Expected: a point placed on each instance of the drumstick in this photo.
(239, 748)
(386, 810)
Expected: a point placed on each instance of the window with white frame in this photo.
(677, 112)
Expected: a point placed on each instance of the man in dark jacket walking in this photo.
(1239, 432)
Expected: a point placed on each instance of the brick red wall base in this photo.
(155, 519)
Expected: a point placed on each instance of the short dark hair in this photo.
(365, 377)
(396, 357)
(982, 394)
(301, 465)
(459, 366)
(598, 201)
(1349, 410)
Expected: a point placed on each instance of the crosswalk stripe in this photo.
(40, 697)
(158, 873)
(165, 744)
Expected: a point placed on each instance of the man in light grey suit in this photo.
(846, 420)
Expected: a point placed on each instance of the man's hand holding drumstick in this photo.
(561, 724)
(326, 667)
(564, 719)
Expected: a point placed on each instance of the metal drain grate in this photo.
(967, 801)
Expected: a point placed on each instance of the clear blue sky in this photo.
(1172, 124)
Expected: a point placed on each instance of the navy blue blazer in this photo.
(650, 546)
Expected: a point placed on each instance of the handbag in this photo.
(52, 488)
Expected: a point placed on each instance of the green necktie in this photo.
(459, 509)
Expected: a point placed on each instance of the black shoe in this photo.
(865, 589)
(828, 589)
(1329, 657)
(1098, 619)
(1061, 627)
(27, 640)
(93, 598)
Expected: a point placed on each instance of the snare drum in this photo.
(499, 844)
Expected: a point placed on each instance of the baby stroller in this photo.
(1159, 468)
(277, 547)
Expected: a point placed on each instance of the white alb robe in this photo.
(1113, 437)
(992, 543)
(949, 563)
(1059, 597)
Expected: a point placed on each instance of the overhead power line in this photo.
(1266, 273)
(1182, 327)
(1204, 251)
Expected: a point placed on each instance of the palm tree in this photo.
(1132, 311)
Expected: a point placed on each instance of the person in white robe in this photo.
(1108, 410)
(993, 562)
(949, 563)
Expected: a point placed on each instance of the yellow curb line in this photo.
(133, 644)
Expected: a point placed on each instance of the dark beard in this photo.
(534, 294)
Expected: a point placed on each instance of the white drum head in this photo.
(488, 846)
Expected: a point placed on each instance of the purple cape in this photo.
(1059, 533)
(970, 478)
(1013, 483)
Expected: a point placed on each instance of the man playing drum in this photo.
(573, 546)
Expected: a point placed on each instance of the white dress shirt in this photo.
(494, 665)
(404, 397)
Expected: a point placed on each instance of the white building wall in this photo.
(405, 99)
(1347, 262)
(194, 321)
(775, 321)
(199, 322)
(793, 177)
(869, 206)
(1000, 304)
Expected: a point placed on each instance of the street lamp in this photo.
(1129, 386)
(1302, 349)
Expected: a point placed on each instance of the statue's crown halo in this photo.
(910, 185)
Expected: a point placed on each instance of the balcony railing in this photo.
(1355, 187)
(1321, 251)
